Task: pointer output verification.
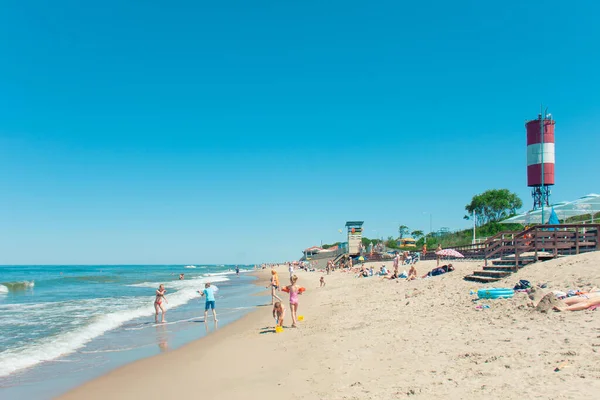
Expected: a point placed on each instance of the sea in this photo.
(63, 325)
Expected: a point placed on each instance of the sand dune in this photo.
(372, 339)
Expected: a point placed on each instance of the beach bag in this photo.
(522, 285)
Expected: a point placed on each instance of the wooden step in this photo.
(492, 274)
(482, 279)
(512, 262)
(503, 268)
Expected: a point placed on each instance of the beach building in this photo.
(354, 237)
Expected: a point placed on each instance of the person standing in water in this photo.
(237, 270)
(209, 293)
(158, 303)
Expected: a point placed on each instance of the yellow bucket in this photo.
(278, 329)
(300, 317)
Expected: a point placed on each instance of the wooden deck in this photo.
(510, 251)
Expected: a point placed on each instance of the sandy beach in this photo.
(370, 338)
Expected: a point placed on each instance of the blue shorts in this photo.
(209, 304)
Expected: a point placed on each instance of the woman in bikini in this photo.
(274, 286)
(158, 303)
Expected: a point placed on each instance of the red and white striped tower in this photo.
(540, 159)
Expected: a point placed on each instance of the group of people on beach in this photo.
(208, 293)
(294, 291)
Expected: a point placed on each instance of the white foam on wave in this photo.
(190, 266)
(14, 286)
(3, 289)
(197, 283)
(225, 273)
(51, 348)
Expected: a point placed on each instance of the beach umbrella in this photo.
(589, 204)
(449, 253)
(535, 216)
(361, 258)
(553, 220)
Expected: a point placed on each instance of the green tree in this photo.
(493, 205)
(403, 230)
(416, 234)
(365, 241)
(391, 243)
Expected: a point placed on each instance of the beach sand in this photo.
(373, 339)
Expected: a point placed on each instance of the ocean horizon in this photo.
(65, 324)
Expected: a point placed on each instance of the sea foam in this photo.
(51, 348)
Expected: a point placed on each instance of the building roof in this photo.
(313, 248)
(354, 224)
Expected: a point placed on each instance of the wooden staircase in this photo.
(499, 269)
(511, 251)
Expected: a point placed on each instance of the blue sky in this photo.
(243, 132)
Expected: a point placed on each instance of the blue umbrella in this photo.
(553, 220)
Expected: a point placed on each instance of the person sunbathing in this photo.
(439, 271)
(581, 302)
(412, 273)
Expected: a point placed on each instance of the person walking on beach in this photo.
(322, 281)
(293, 290)
(439, 248)
(158, 303)
(396, 263)
(274, 286)
(209, 293)
(291, 269)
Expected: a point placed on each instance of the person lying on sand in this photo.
(439, 271)
(581, 302)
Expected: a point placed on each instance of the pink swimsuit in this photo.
(293, 297)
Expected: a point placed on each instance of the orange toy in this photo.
(300, 289)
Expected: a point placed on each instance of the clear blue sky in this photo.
(243, 132)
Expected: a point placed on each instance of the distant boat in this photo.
(190, 266)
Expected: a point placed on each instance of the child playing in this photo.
(210, 301)
(278, 313)
(158, 303)
(294, 290)
(322, 281)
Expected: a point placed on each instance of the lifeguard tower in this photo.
(354, 237)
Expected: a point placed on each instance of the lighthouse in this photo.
(540, 159)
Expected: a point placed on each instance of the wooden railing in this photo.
(553, 239)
